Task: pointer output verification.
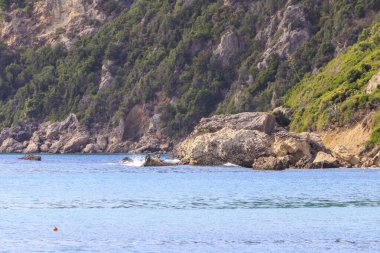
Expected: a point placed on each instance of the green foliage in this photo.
(354, 75)
(333, 25)
(338, 93)
(7, 4)
(375, 136)
(164, 49)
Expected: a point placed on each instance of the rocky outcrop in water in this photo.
(155, 162)
(253, 140)
(31, 158)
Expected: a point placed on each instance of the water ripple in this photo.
(192, 203)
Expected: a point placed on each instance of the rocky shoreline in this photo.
(257, 140)
(69, 136)
(253, 139)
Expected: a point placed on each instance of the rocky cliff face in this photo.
(69, 136)
(51, 21)
(287, 31)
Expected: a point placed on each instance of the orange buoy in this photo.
(55, 229)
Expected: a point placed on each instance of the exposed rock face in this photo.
(269, 163)
(51, 21)
(370, 158)
(324, 160)
(240, 147)
(245, 140)
(296, 150)
(106, 78)
(373, 83)
(376, 160)
(18, 133)
(239, 139)
(229, 46)
(54, 137)
(10, 145)
(76, 143)
(260, 121)
(286, 32)
(69, 136)
(152, 143)
(345, 155)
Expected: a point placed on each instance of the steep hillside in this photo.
(157, 67)
(344, 92)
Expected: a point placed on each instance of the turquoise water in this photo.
(100, 205)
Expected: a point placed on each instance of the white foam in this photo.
(137, 161)
(174, 161)
(230, 165)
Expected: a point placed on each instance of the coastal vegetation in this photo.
(171, 48)
(337, 95)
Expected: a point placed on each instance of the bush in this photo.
(354, 75)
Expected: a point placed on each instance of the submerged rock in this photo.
(155, 161)
(31, 158)
(126, 160)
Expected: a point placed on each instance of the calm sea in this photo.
(100, 205)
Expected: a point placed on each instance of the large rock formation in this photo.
(236, 138)
(253, 140)
(226, 145)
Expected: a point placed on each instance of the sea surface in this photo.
(101, 205)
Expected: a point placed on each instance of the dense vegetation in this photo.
(7, 4)
(337, 95)
(163, 46)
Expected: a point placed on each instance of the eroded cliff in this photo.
(50, 21)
